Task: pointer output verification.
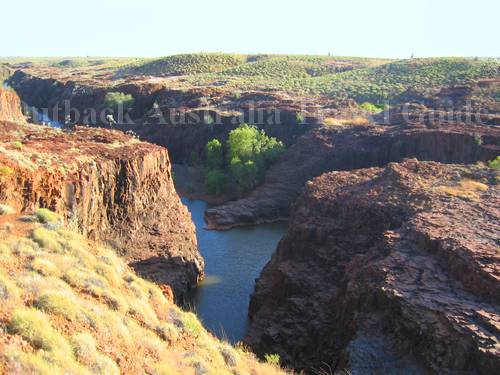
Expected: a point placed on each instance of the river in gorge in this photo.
(233, 260)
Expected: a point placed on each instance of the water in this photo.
(39, 117)
(233, 260)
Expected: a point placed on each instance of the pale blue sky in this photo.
(385, 28)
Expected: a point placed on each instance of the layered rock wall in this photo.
(325, 149)
(10, 106)
(387, 271)
(112, 187)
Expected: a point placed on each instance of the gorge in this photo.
(389, 260)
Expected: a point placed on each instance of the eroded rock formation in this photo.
(388, 270)
(10, 106)
(327, 149)
(113, 187)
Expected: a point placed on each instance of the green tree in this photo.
(216, 181)
(250, 152)
(114, 99)
(215, 158)
(495, 163)
(246, 174)
(248, 143)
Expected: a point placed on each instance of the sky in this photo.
(151, 28)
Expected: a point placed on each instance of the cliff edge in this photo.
(112, 188)
(387, 271)
(350, 147)
(10, 106)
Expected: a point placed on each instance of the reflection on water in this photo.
(42, 118)
(39, 117)
(233, 260)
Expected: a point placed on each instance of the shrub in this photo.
(214, 153)
(142, 312)
(248, 143)
(495, 164)
(250, 152)
(31, 363)
(6, 170)
(167, 332)
(7, 289)
(86, 353)
(466, 189)
(478, 140)
(84, 348)
(245, 174)
(25, 247)
(17, 144)
(34, 327)
(190, 323)
(108, 273)
(59, 303)
(300, 118)
(46, 239)
(215, 182)
(116, 99)
(5, 210)
(272, 358)
(47, 216)
(372, 108)
(44, 267)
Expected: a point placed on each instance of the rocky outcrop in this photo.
(83, 101)
(112, 187)
(10, 106)
(328, 149)
(388, 270)
(5, 73)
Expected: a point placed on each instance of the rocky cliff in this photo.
(336, 148)
(181, 120)
(110, 186)
(388, 270)
(10, 106)
(5, 72)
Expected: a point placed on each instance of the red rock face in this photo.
(387, 270)
(110, 186)
(325, 149)
(10, 106)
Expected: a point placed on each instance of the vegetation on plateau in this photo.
(243, 161)
(364, 80)
(186, 64)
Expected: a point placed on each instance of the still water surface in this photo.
(233, 260)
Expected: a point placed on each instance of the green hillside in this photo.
(360, 79)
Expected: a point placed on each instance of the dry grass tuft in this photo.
(79, 309)
(34, 327)
(466, 189)
(45, 267)
(47, 217)
(356, 121)
(6, 210)
(59, 303)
